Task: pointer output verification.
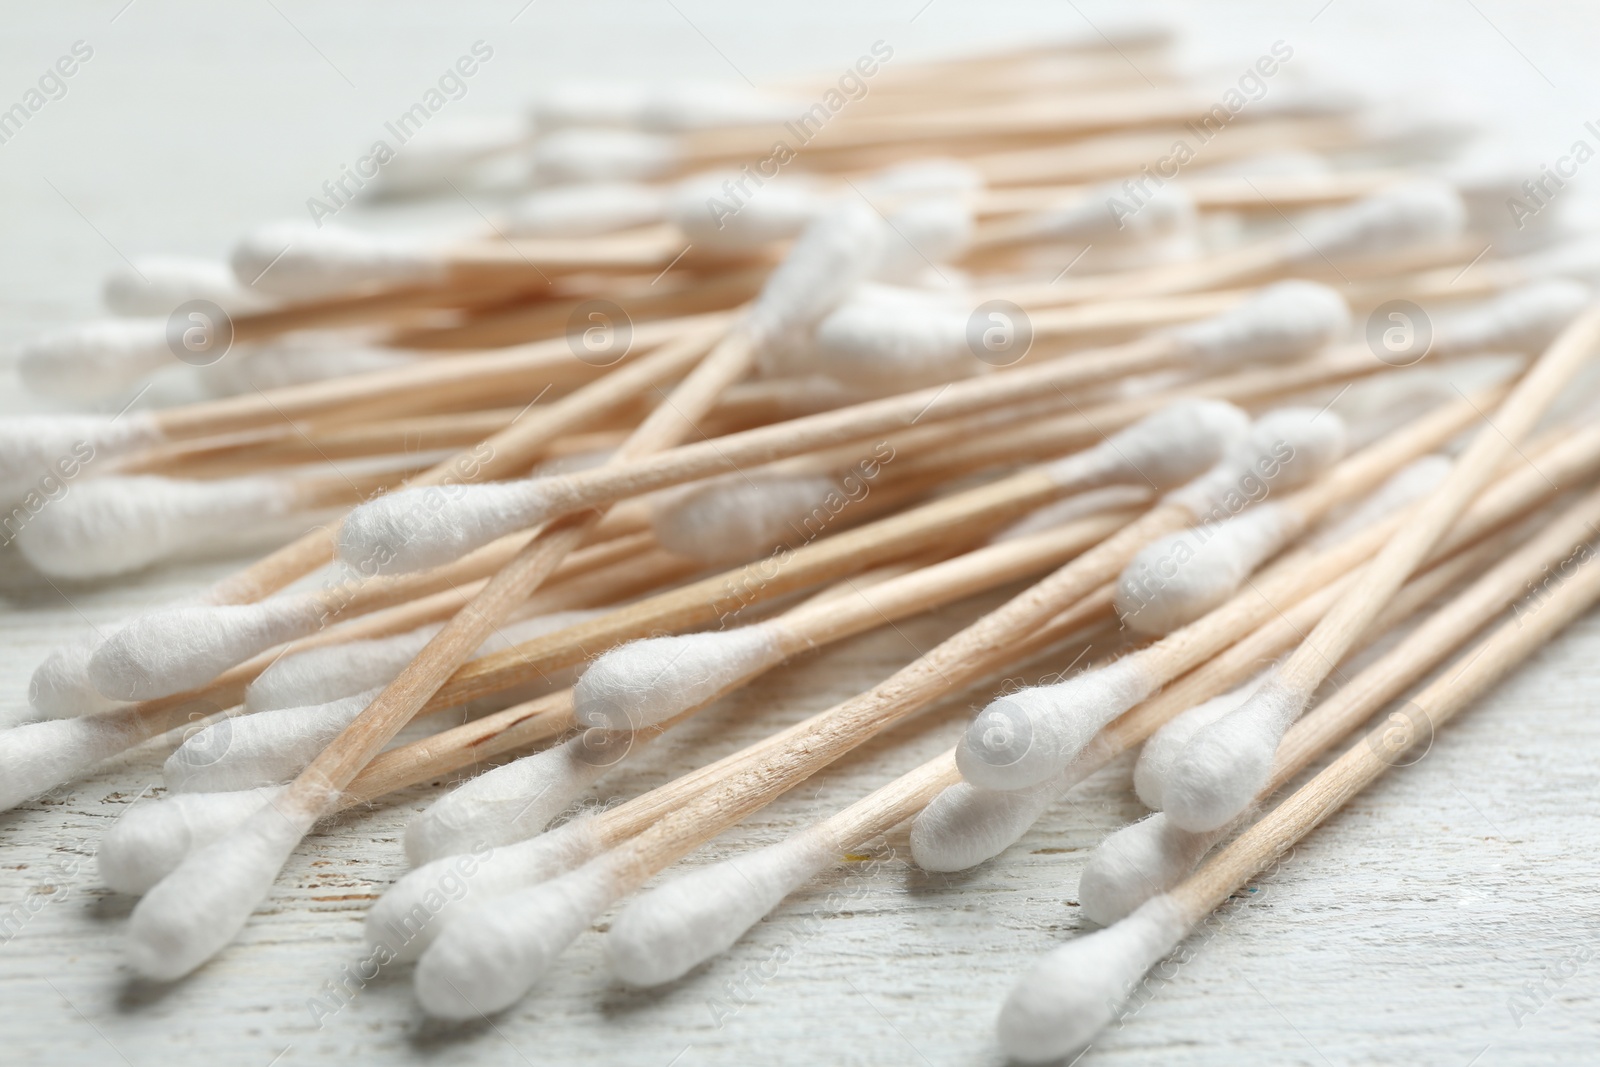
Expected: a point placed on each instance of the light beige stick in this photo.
(132, 663)
(191, 914)
(565, 493)
(1075, 991)
(1228, 762)
(844, 612)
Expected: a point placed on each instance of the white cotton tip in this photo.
(86, 362)
(887, 340)
(1161, 751)
(601, 155)
(645, 683)
(1405, 487)
(1074, 508)
(297, 361)
(494, 951)
(1175, 579)
(1165, 449)
(1283, 321)
(1285, 449)
(250, 751)
(299, 261)
(1134, 864)
(1030, 736)
(177, 649)
(38, 453)
(925, 232)
(966, 825)
(156, 285)
(1072, 993)
(715, 213)
(449, 149)
(742, 517)
(515, 801)
(1417, 212)
(1109, 215)
(414, 529)
(148, 841)
(1578, 259)
(924, 177)
(1526, 319)
(318, 675)
(38, 756)
(586, 210)
(1219, 772)
(60, 686)
(114, 525)
(669, 931)
(192, 913)
(834, 253)
(411, 913)
(1491, 181)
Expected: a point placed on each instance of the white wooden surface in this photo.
(1399, 933)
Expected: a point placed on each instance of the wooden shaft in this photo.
(1363, 471)
(1480, 668)
(315, 791)
(769, 443)
(982, 648)
(823, 620)
(1515, 496)
(1311, 662)
(499, 455)
(1448, 628)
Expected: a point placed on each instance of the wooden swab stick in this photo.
(696, 669)
(1227, 763)
(857, 608)
(969, 825)
(1029, 737)
(982, 648)
(128, 662)
(1077, 990)
(663, 934)
(562, 494)
(168, 940)
(454, 977)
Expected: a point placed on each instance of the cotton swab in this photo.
(878, 342)
(122, 666)
(455, 976)
(1127, 875)
(1075, 991)
(156, 285)
(267, 746)
(189, 916)
(966, 825)
(316, 675)
(32, 446)
(1029, 737)
(113, 525)
(1167, 446)
(649, 685)
(1227, 763)
(379, 529)
(666, 933)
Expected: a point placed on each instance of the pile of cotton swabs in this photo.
(962, 343)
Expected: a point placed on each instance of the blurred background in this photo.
(193, 122)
